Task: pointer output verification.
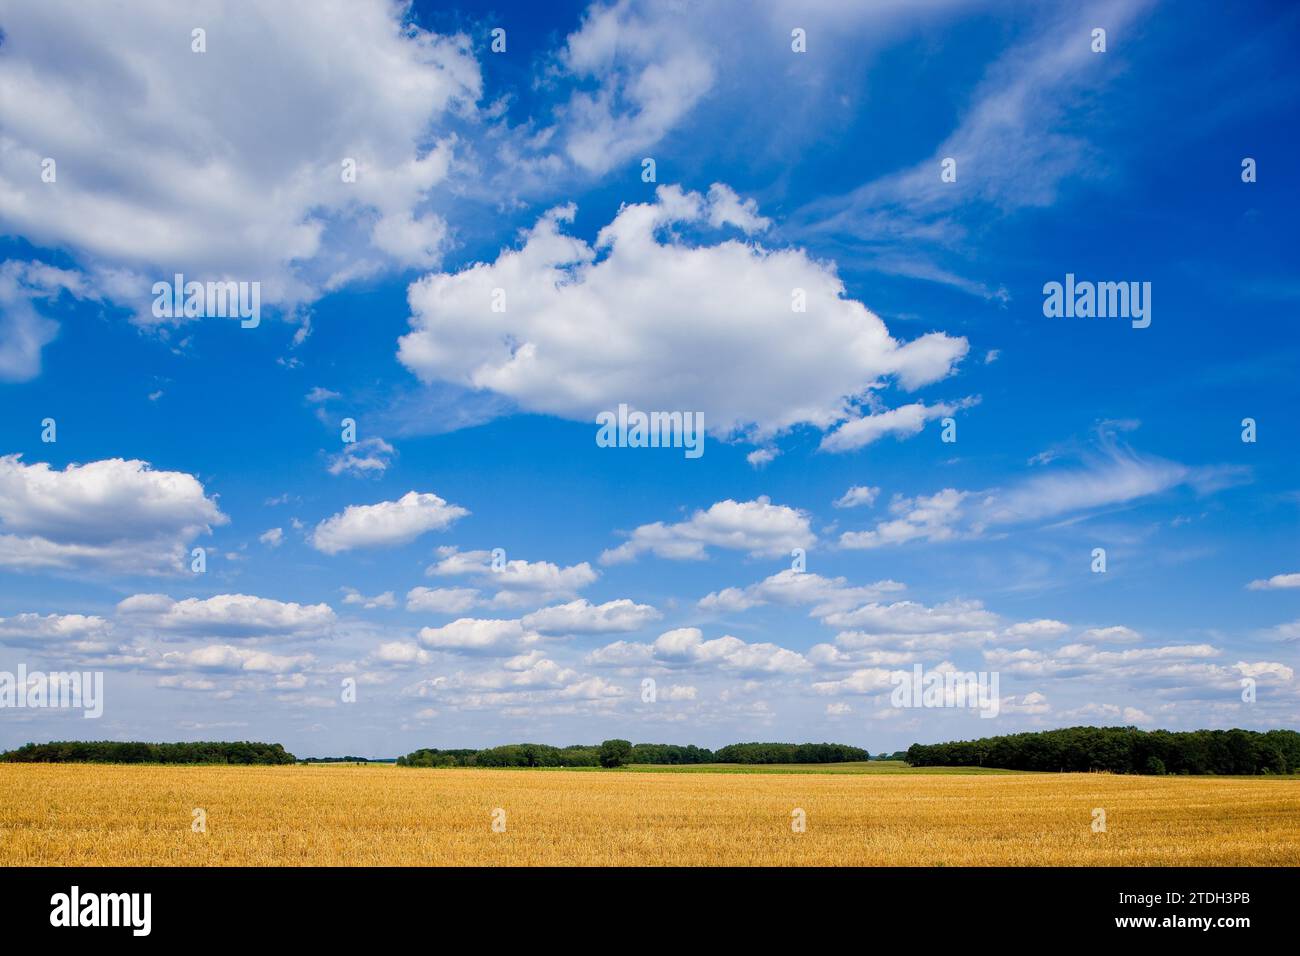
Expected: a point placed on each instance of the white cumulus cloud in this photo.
(662, 325)
(757, 527)
(386, 524)
(111, 514)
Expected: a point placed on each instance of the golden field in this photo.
(82, 814)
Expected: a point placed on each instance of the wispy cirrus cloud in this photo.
(1016, 145)
(1113, 477)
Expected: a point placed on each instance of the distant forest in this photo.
(114, 751)
(616, 753)
(1122, 750)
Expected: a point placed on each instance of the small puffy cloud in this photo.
(441, 600)
(226, 615)
(228, 658)
(864, 681)
(1276, 582)
(901, 422)
(933, 518)
(756, 527)
(761, 457)
(583, 617)
(113, 514)
(369, 457)
(728, 209)
(1113, 713)
(386, 524)
(398, 653)
(592, 688)
(518, 581)
(36, 630)
(831, 655)
(794, 588)
(272, 538)
(730, 599)
(654, 324)
(478, 636)
(856, 496)
(1040, 629)
(1117, 634)
(176, 682)
(385, 600)
(911, 617)
(649, 72)
(910, 626)
(686, 646)
(1265, 669)
(1033, 704)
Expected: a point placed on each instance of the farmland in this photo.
(856, 814)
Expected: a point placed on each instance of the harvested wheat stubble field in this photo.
(53, 814)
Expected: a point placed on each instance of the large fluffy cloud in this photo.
(109, 514)
(228, 163)
(662, 325)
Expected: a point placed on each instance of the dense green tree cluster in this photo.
(114, 751)
(1122, 750)
(789, 753)
(670, 754)
(431, 757)
(614, 753)
(509, 755)
(539, 755)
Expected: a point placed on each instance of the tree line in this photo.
(115, 751)
(1072, 749)
(1122, 750)
(617, 753)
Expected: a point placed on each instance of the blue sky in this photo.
(522, 171)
